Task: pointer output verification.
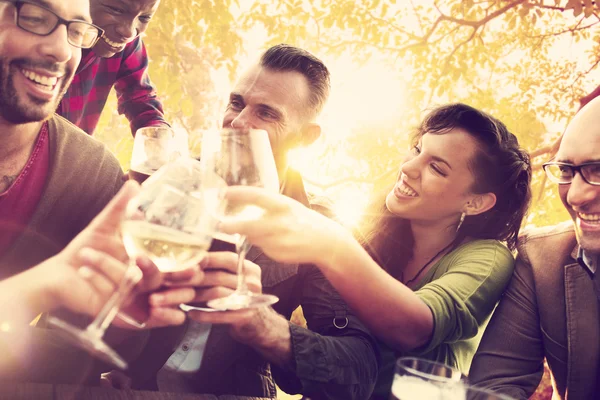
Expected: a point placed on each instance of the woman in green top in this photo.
(437, 252)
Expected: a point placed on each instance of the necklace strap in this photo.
(450, 246)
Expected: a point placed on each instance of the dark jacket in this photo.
(550, 310)
(330, 362)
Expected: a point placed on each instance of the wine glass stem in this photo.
(108, 312)
(242, 248)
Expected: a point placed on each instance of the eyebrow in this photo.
(50, 7)
(263, 106)
(439, 159)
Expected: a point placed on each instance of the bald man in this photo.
(550, 309)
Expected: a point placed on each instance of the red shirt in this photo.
(127, 72)
(20, 201)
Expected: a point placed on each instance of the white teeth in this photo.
(113, 44)
(406, 190)
(589, 217)
(41, 79)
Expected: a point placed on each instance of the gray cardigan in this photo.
(82, 178)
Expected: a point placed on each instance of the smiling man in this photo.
(551, 308)
(118, 59)
(53, 178)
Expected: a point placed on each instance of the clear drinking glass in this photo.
(241, 157)
(171, 222)
(419, 379)
(153, 147)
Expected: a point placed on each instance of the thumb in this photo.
(110, 218)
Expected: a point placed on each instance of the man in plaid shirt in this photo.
(119, 59)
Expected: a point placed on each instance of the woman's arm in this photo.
(450, 308)
(290, 232)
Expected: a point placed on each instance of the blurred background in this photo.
(529, 63)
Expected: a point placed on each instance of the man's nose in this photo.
(242, 121)
(126, 29)
(580, 192)
(56, 45)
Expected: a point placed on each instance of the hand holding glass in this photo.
(173, 226)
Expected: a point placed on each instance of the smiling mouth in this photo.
(45, 82)
(589, 218)
(406, 190)
(112, 44)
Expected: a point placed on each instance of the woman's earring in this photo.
(460, 221)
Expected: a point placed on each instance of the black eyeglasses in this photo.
(42, 21)
(563, 173)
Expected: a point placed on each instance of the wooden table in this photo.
(40, 391)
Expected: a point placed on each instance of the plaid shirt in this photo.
(95, 77)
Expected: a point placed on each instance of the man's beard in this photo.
(12, 108)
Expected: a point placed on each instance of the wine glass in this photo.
(170, 222)
(420, 379)
(153, 147)
(241, 157)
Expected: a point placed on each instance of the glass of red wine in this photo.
(153, 147)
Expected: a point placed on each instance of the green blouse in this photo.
(461, 290)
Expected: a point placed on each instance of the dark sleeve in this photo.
(135, 92)
(330, 362)
(510, 356)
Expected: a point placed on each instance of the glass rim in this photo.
(429, 376)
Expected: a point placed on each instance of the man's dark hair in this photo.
(283, 57)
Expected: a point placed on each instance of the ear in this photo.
(480, 203)
(310, 133)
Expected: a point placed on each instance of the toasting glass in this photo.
(170, 221)
(153, 147)
(420, 379)
(241, 157)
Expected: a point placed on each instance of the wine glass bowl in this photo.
(153, 147)
(173, 219)
(421, 379)
(241, 157)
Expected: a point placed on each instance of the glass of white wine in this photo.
(420, 379)
(241, 157)
(170, 221)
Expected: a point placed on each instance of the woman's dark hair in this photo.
(500, 167)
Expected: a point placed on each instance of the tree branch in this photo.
(481, 22)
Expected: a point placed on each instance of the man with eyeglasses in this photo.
(118, 59)
(53, 178)
(551, 307)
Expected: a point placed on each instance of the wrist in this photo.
(270, 337)
(41, 291)
(336, 249)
